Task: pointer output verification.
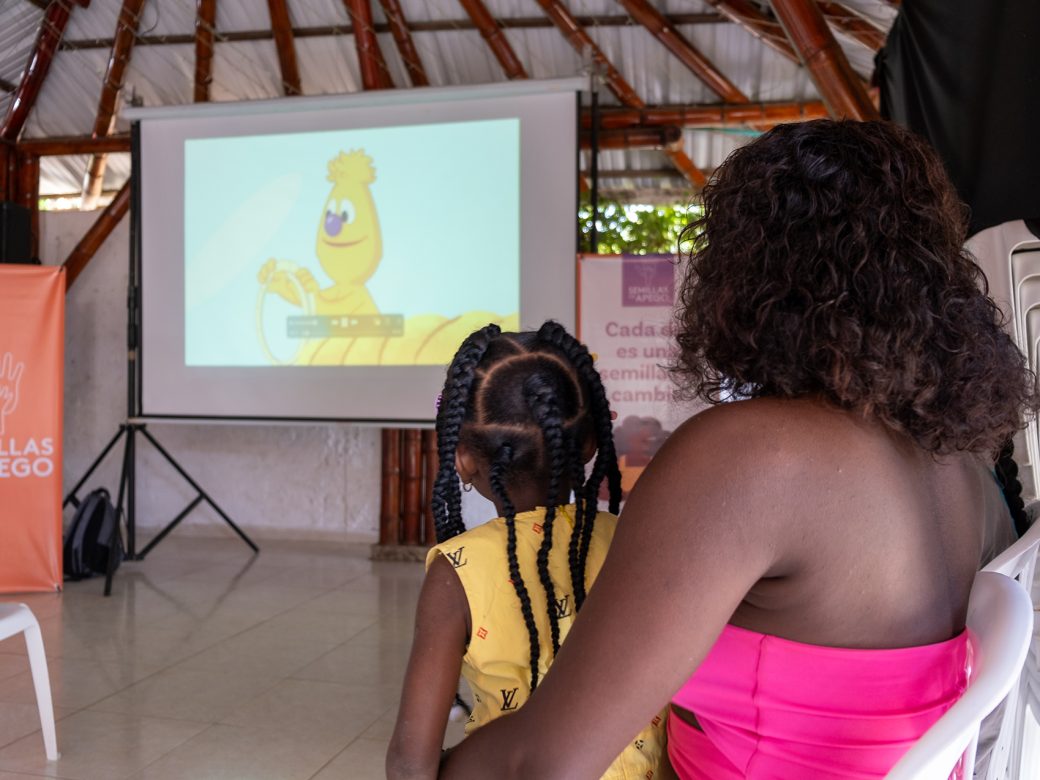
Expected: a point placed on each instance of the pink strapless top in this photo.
(775, 709)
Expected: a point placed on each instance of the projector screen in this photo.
(323, 258)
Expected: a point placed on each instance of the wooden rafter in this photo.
(582, 42)
(405, 45)
(759, 116)
(429, 26)
(374, 73)
(492, 33)
(839, 86)
(764, 27)
(850, 23)
(29, 197)
(281, 26)
(126, 31)
(52, 27)
(634, 138)
(668, 34)
(96, 235)
(205, 26)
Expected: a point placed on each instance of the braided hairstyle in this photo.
(528, 404)
(1007, 476)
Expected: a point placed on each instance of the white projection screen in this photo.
(322, 258)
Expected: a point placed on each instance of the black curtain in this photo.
(965, 74)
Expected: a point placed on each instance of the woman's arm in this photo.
(432, 677)
(692, 541)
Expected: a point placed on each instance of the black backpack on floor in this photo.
(93, 544)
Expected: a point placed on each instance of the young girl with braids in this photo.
(520, 417)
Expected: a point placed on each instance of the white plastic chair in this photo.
(1010, 753)
(1000, 626)
(19, 619)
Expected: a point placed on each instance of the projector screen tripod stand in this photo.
(127, 494)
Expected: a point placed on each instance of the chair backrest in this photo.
(1000, 626)
(1019, 560)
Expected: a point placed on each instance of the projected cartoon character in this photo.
(349, 247)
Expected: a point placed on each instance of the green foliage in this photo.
(634, 229)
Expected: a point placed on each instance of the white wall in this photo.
(300, 481)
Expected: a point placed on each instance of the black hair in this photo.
(1006, 470)
(527, 403)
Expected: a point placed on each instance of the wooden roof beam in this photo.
(760, 116)
(281, 26)
(582, 43)
(496, 40)
(126, 31)
(634, 138)
(95, 236)
(374, 73)
(405, 45)
(668, 34)
(850, 23)
(762, 26)
(427, 26)
(838, 84)
(52, 27)
(205, 25)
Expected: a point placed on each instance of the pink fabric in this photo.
(775, 709)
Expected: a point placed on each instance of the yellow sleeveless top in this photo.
(497, 663)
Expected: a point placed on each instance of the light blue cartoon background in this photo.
(448, 199)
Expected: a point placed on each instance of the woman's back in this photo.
(867, 502)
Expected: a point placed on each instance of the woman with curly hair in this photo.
(799, 562)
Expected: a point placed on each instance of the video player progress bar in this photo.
(354, 326)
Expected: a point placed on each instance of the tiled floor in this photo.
(208, 663)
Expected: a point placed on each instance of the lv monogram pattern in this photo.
(497, 661)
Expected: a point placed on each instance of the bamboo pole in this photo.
(495, 38)
(426, 26)
(390, 502)
(668, 34)
(430, 463)
(52, 27)
(405, 45)
(411, 487)
(126, 31)
(81, 144)
(759, 116)
(839, 86)
(281, 26)
(29, 197)
(374, 73)
(205, 24)
(635, 138)
(103, 226)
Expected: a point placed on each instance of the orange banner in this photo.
(32, 337)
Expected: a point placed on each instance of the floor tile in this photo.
(189, 694)
(76, 683)
(363, 759)
(99, 746)
(225, 752)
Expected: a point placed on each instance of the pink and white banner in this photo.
(625, 311)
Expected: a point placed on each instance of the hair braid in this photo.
(1007, 475)
(605, 465)
(447, 501)
(573, 557)
(545, 408)
(502, 460)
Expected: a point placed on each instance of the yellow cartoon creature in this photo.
(349, 247)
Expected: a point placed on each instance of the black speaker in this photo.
(15, 230)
